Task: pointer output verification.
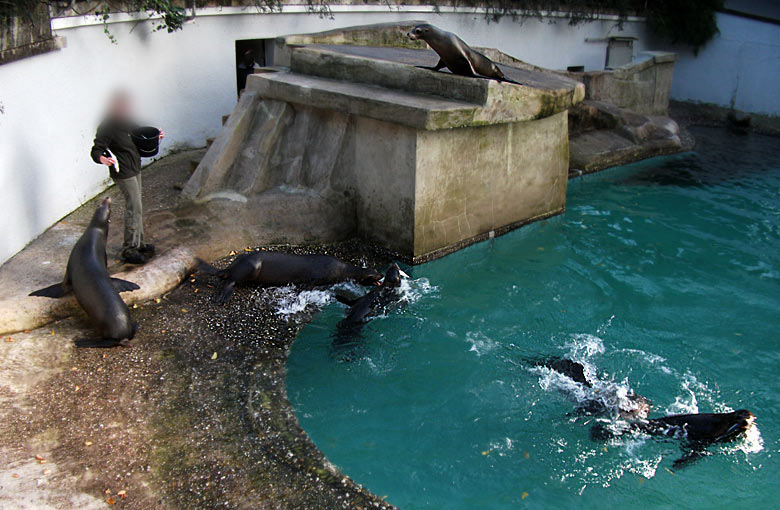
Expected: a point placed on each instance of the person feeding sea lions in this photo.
(115, 148)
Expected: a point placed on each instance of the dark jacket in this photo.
(114, 136)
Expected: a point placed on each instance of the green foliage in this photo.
(690, 22)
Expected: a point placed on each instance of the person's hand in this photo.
(107, 161)
(162, 134)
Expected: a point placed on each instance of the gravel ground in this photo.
(194, 415)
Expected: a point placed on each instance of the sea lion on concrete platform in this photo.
(456, 55)
(371, 303)
(97, 293)
(698, 431)
(276, 269)
(632, 406)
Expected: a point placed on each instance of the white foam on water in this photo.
(290, 301)
(413, 290)
(584, 346)
(480, 343)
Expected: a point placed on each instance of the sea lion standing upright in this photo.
(97, 293)
(275, 269)
(456, 55)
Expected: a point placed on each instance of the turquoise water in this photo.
(663, 276)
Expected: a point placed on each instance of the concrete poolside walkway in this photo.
(179, 231)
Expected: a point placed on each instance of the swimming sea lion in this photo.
(97, 293)
(275, 269)
(637, 407)
(698, 431)
(363, 307)
(456, 55)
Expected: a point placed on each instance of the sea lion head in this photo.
(102, 215)
(420, 32)
(369, 276)
(738, 423)
(392, 276)
(639, 409)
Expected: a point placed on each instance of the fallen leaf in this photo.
(135, 305)
(214, 356)
(485, 452)
(87, 443)
(39, 458)
(107, 491)
(77, 388)
(46, 471)
(26, 330)
(157, 300)
(196, 290)
(524, 495)
(232, 252)
(184, 310)
(670, 471)
(738, 334)
(52, 332)
(74, 369)
(122, 494)
(9, 339)
(526, 455)
(247, 249)
(605, 449)
(162, 331)
(111, 501)
(15, 475)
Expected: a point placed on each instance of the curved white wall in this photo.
(53, 101)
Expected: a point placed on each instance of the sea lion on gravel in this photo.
(456, 55)
(97, 293)
(276, 269)
(698, 431)
(637, 407)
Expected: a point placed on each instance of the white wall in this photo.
(741, 64)
(186, 79)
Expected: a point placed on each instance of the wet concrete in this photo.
(194, 415)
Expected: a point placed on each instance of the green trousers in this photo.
(134, 212)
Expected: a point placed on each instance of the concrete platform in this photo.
(426, 162)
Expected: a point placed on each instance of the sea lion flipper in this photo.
(437, 67)
(100, 343)
(346, 300)
(226, 293)
(123, 285)
(57, 290)
(689, 458)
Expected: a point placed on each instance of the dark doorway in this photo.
(250, 55)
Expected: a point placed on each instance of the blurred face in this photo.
(120, 106)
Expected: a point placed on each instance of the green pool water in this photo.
(663, 276)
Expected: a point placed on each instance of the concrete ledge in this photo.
(156, 278)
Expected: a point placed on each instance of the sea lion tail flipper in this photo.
(57, 290)
(226, 293)
(509, 80)
(346, 300)
(689, 458)
(205, 267)
(123, 285)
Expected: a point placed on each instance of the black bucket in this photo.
(147, 140)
